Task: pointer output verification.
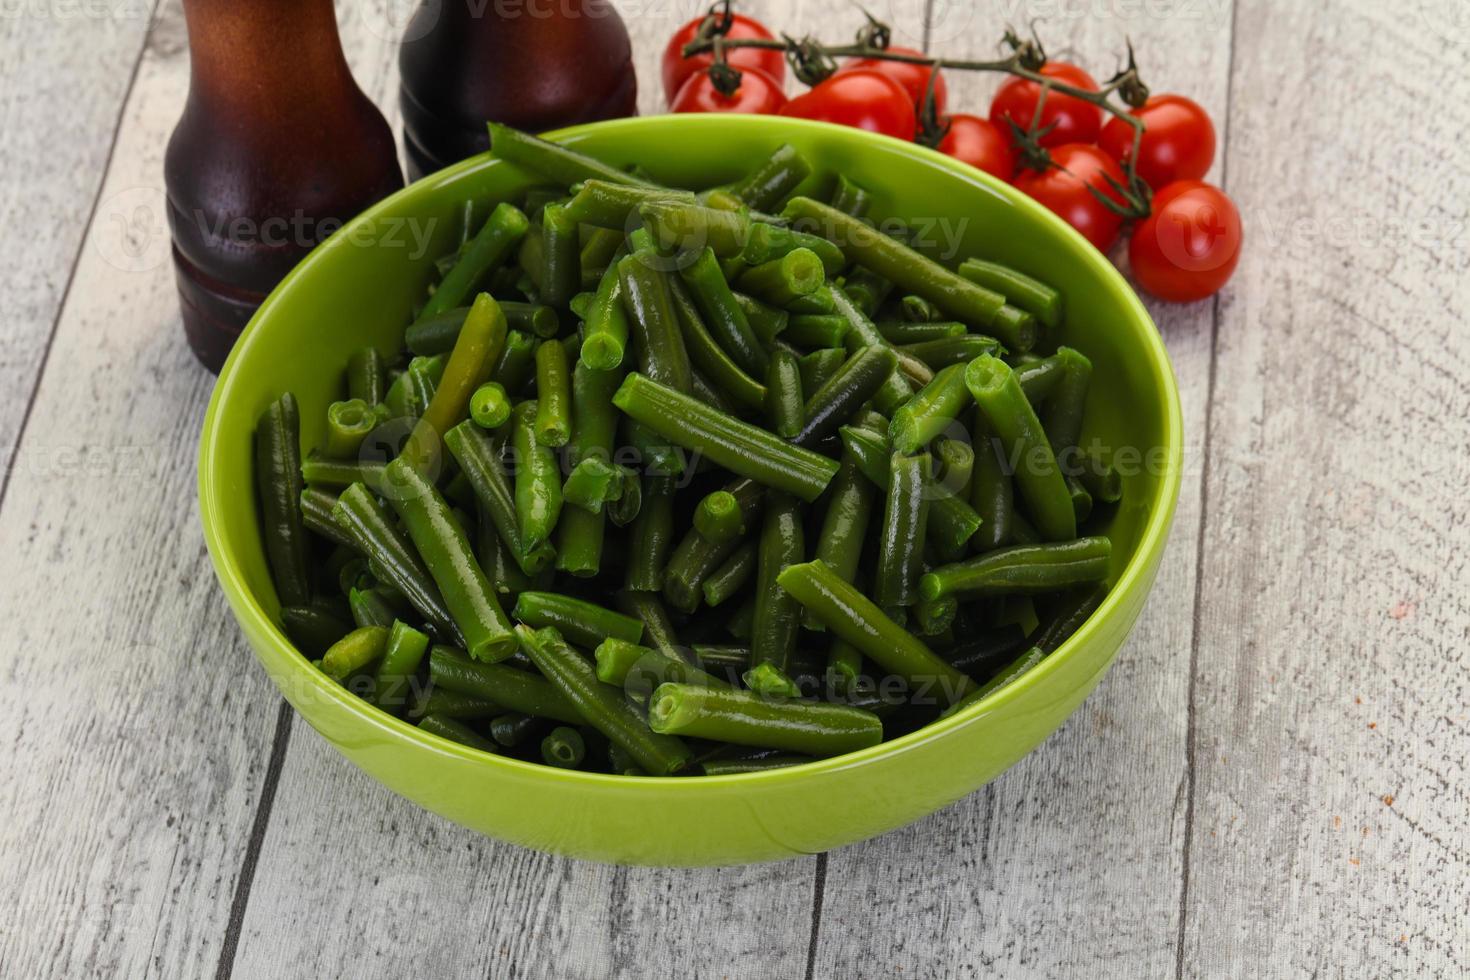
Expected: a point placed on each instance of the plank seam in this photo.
(71, 275)
(1191, 730)
(818, 887)
(280, 741)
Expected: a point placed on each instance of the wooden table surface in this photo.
(1271, 782)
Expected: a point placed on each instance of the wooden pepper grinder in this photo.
(277, 147)
(534, 65)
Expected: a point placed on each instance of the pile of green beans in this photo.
(679, 482)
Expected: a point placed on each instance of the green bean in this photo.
(709, 356)
(348, 424)
(612, 205)
(1070, 612)
(650, 308)
(867, 290)
(501, 566)
(1023, 570)
(915, 332)
(732, 576)
(853, 617)
(818, 367)
(455, 731)
(816, 330)
(689, 227)
(983, 651)
(441, 542)
(845, 525)
(917, 309)
(625, 509)
(601, 249)
(437, 335)
(354, 651)
(1010, 416)
(278, 482)
(736, 767)
(468, 367)
(1100, 479)
(781, 281)
(538, 478)
(784, 407)
(920, 420)
(724, 317)
(506, 226)
(954, 465)
(581, 622)
(367, 378)
(742, 621)
(718, 516)
(512, 688)
(581, 532)
(553, 395)
(1008, 674)
(916, 273)
(552, 161)
(844, 665)
(693, 561)
(766, 321)
(517, 362)
(934, 616)
(316, 516)
(765, 186)
(605, 334)
(370, 608)
(861, 334)
(591, 484)
(992, 493)
(808, 727)
(817, 303)
(563, 748)
(658, 628)
(601, 706)
(450, 704)
(514, 729)
(561, 255)
(638, 669)
(390, 555)
(849, 198)
(768, 242)
(313, 627)
(1068, 402)
(773, 638)
(1041, 377)
(1031, 295)
(940, 354)
(480, 464)
(490, 406)
(411, 392)
(737, 446)
(652, 537)
(952, 521)
(1081, 499)
(901, 538)
(401, 657)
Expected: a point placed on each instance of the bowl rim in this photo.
(254, 619)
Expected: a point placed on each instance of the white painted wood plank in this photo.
(63, 78)
(1069, 865)
(407, 891)
(1329, 827)
(137, 727)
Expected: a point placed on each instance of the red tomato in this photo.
(1188, 247)
(981, 144)
(1178, 140)
(677, 68)
(1076, 121)
(758, 93)
(914, 78)
(862, 98)
(1063, 188)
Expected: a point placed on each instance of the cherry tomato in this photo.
(914, 78)
(758, 93)
(1178, 140)
(981, 144)
(677, 68)
(1063, 189)
(862, 98)
(1188, 247)
(1076, 121)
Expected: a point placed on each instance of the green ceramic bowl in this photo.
(359, 288)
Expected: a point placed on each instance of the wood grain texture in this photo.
(63, 79)
(137, 723)
(1069, 865)
(1333, 682)
(414, 878)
